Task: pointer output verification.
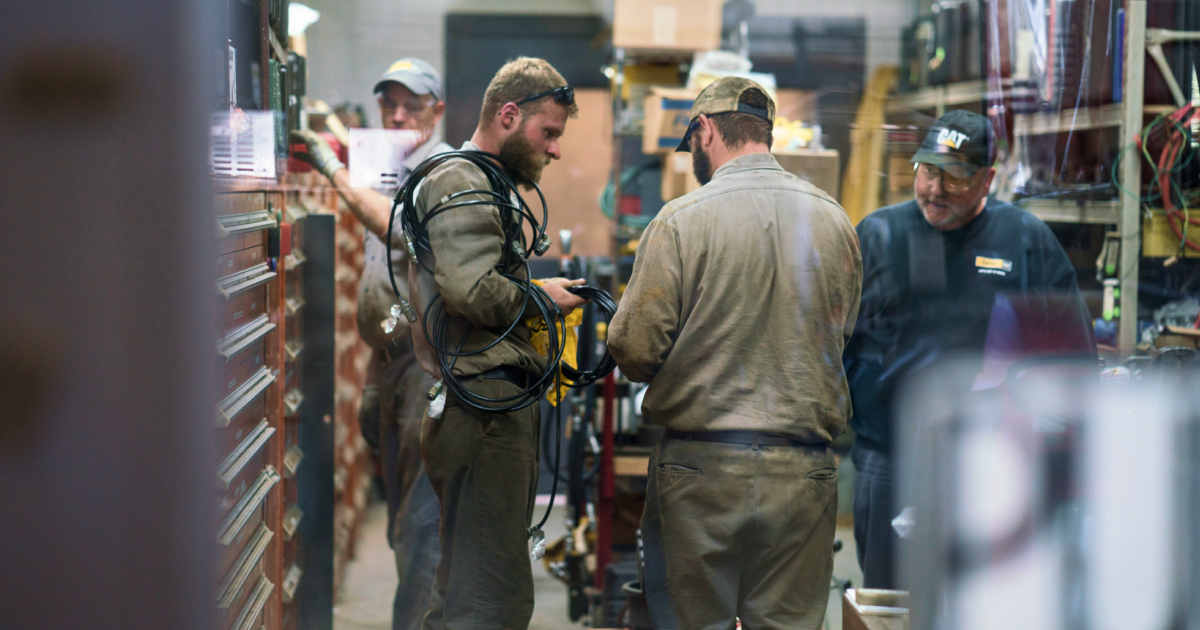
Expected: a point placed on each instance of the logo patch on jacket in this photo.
(994, 266)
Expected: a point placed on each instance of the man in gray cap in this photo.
(410, 98)
(743, 295)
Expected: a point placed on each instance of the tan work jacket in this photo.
(743, 295)
(467, 245)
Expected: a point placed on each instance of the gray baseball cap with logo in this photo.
(415, 74)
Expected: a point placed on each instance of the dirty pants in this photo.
(413, 515)
(731, 530)
(484, 469)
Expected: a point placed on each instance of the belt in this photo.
(750, 438)
(513, 375)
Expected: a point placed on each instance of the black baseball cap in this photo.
(959, 143)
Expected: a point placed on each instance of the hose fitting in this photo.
(543, 245)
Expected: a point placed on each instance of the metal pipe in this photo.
(1131, 174)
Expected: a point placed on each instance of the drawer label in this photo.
(231, 384)
(238, 315)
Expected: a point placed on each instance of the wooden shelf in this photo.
(1071, 211)
(630, 465)
(1067, 120)
(940, 96)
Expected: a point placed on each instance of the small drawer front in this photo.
(228, 618)
(256, 349)
(253, 442)
(252, 616)
(239, 581)
(243, 342)
(240, 202)
(239, 242)
(227, 500)
(235, 284)
(251, 498)
(241, 309)
(226, 556)
(241, 260)
(236, 403)
(229, 437)
(237, 375)
(292, 327)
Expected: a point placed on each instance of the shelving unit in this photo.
(938, 98)
(1091, 212)
(1068, 120)
(1127, 117)
(293, 472)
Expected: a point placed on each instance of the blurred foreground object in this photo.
(106, 445)
(1054, 500)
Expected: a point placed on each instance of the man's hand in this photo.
(556, 288)
(320, 154)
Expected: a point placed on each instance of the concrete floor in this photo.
(366, 599)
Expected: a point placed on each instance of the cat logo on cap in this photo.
(951, 139)
(994, 266)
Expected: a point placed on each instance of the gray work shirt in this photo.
(375, 295)
(743, 295)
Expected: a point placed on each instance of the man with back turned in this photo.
(743, 295)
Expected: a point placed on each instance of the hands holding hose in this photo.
(558, 290)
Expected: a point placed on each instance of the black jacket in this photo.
(929, 294)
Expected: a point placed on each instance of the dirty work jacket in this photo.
(743, 296)
(466, 246)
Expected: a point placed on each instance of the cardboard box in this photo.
(1159, 241)
(819, 167)
(677, 177)
(667, 112)
(859, 616)
(667, 24)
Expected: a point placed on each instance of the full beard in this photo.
(701, 165)
(522, 159)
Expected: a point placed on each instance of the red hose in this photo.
(1170, 152)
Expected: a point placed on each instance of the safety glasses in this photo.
(928, 173)
(564, 95)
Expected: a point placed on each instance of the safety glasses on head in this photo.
(564, 95)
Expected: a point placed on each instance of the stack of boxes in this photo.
(661, 30)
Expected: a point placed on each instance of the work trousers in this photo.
(413, 516)
(483, 467)
(875, 506)
(734, 530)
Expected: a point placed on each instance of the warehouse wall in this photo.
(355, 40)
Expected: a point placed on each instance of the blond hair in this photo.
(521, 78)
